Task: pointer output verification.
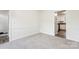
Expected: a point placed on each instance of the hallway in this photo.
(60, 23)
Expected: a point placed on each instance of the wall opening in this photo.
(60, 24)
(4, 26)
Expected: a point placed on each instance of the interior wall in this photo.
(47, 23)
(23, 23)
(4, 21)
(72, 26)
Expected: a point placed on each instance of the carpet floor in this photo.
(41, 41)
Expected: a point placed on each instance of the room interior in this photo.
(36, 29)
(60, 23)
(4, 26)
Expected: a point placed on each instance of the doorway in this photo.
(4, 26)
(60, 23)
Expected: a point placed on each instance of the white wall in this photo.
(47, 23)
(4, 21)
(23, 23)
(72, 27)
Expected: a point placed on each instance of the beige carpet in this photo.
(41, 41)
